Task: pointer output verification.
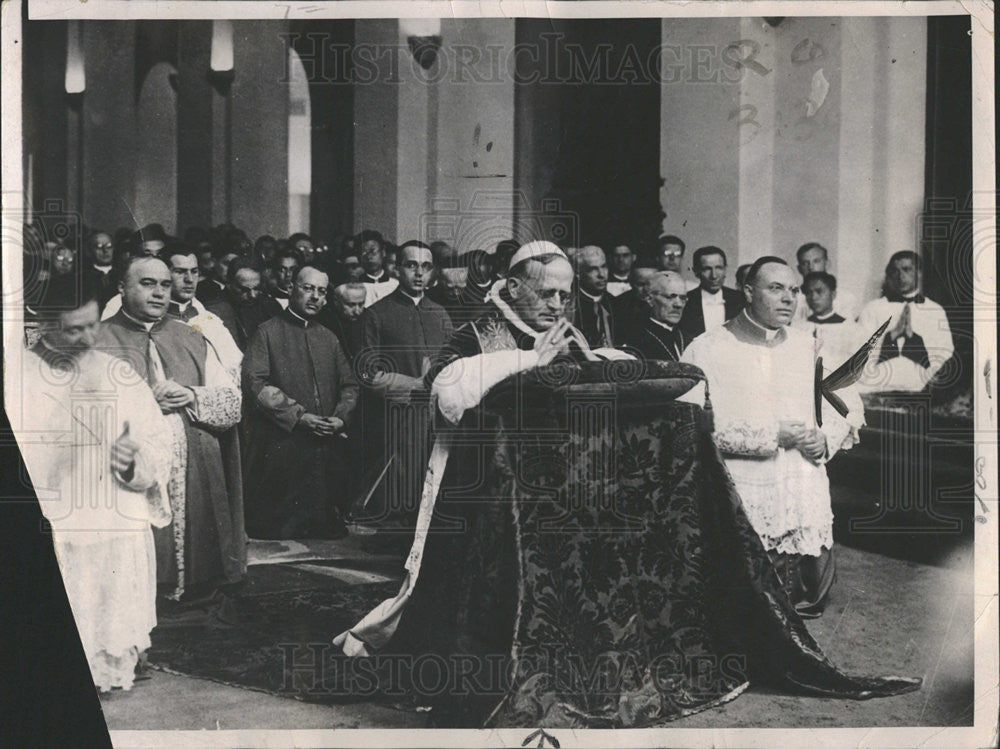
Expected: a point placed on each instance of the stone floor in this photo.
(886, 615)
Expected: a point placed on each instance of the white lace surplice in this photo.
(101, 524)
(752, 388)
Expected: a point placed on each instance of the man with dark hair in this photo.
(836, 338)
(812, 257)
(593, 314)
(286, 263)
(371, 247)
(301, 394)
(210, 289)
(242, 305)
(304, 244)
(94, 441)
(402, 334)
(918, 341)
(670, 253)
(149, 240)
(622, 259)
(760, 374)
(712, 303)
(185, 307)
(204, 547)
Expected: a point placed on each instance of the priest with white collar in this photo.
(301, 394)
(593, 315)
(760, 375)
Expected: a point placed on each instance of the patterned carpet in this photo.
(284, 617)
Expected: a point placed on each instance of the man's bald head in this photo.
(145, 288)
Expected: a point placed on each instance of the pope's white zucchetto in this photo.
(535, 249)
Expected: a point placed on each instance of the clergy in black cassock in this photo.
(402, 334)
(301, 393)
(659, 336)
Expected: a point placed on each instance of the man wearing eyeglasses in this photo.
(401, 335)
(301, 393)
(101, 275)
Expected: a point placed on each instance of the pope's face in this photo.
(772, 296)
(540, 300)
(146, 289)
(184, 273)
(75, 331)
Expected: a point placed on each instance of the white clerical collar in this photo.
(591, 297)
(768, 332)
(414, 299)
(827, 316)
(105, 269)
(293, 313)
(662, 324)
(147, 325)
(620, 279)
(219, 284)
(378, 277)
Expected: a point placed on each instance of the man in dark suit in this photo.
(659, 336)
(712, 303)
(593, 314)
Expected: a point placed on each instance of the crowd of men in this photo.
(292, 380)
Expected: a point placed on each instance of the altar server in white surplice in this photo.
(760, 374)
(918, 341)
(98, 452)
